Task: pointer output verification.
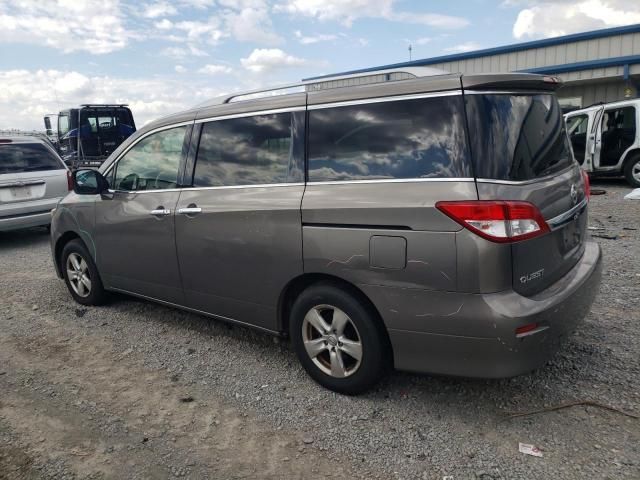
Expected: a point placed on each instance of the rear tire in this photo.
(81, 274)
(632, 171)
(338, 339)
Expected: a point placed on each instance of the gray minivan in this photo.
(33, 179)
(431, 223)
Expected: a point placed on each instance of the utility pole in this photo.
(410, 52)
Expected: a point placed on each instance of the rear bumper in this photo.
(473, 335)
(26, 220)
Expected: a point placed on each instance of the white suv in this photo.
(605, 139)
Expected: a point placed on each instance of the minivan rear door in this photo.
(238, 230)
(520, 152)
(32, 177)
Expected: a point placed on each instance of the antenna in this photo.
(410, 48)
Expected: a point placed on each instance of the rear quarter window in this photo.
(27, 157)
(517, 137)
(402, 139)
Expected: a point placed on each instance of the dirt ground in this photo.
(62, 388)
(138, 390)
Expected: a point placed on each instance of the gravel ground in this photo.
(138, 390)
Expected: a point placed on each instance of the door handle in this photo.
(189, 210)
(160, 211)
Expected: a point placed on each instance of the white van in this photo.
(605, 139)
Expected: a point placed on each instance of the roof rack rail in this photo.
(92, 105)
(26, 133)
(330, 82)
(22, 133)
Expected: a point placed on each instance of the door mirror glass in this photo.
(89, 182)
(47, 125)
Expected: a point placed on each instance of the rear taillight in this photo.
(587, 184)
(69, 181)
(498, 221)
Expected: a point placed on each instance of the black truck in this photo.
(87, 135)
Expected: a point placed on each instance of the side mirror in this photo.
(89, 182)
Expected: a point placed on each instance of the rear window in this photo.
(27, 157)
(517, 137)
(419, 138)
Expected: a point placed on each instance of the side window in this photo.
(577, 125)
(63, 124)
(152, 163)
(621, 119)
(421, 138)
(257, 150)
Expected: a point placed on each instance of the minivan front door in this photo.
(238, 230)
(135, 224)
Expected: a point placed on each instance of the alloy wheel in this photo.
(332, 341)
(635, 171)
(78, 275)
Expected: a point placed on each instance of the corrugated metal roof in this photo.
(547, 42)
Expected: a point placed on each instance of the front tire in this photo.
(338, 339)
(632, 171)
(81, 274)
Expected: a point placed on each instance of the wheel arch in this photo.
(629, 156)
(306, 280)
(65, 238)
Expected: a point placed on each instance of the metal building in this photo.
(598, 66)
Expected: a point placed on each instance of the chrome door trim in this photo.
(19, 183)
(559, 220)
(222, 187)
(365, 101)
(527, 182)
(391, 180)
(252, 113)
(508, 92)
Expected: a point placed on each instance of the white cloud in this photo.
(209, 31)
(183, 52)
(553, 18)
(94, 26)
(252, 25)
(26, 96)
(309, 39)
(199, 4)
(267, 59)
(180, 69)
(347, 11)
(463, 47)
(163, 24)
(159, 9)
(211, 69)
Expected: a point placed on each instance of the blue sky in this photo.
(163, 56)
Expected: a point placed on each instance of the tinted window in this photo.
(423, 138)
(152, 163)
(27, 157)
(63, 124)
(517, 137)
(254, 150)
